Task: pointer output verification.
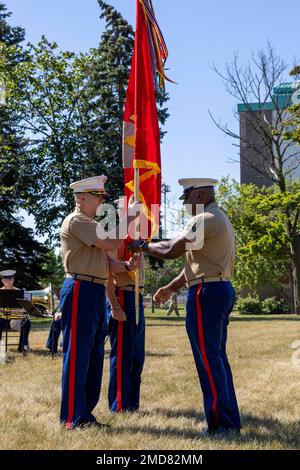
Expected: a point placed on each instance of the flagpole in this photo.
(137, 272)
(136, 170)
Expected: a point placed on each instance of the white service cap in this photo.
(195, 183)
(7, 273)
(94, 185)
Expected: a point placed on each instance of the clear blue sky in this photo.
(197, 33)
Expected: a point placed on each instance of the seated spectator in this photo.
(21, 325)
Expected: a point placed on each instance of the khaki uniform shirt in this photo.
(214, 253)
(126, 278)
(78, 235)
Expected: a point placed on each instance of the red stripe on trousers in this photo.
(120, 355)
(73, 345)
(204, 356)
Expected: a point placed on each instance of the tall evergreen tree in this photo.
(106, 94)
(9, 35)
(10, 145)
(71, 112)
(111, 63)
(18, 248)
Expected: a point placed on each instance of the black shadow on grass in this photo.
(265, 431)
(189, 413)
(154, 354)
(44, 353)
(162, 432)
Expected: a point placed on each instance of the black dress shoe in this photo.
(223, 432)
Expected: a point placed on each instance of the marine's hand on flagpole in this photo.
(135, 262)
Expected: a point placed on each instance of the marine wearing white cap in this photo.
(8, 273)
(93, 185)
(83, 300)
(83, 304)
(195, 183)
(16, 324)
(207, 272)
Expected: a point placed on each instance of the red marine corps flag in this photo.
(141, 137)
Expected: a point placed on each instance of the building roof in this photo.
(281, 97)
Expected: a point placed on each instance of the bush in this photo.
(249, 305)
(273, 305)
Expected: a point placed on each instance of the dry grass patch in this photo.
(171, 415)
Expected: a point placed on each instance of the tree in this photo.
(70, 108)
(21, 252)
(106, 90)
(270, 153)
(262, 243)
(55, 269)
(107, 85)
(256, 82)
(11, 147)
(158, 273)
(9, 35)
(45, 92)
(18, 248)
(292, 123)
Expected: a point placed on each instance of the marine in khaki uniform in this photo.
(208, 244)
(127, 339)
(83, 301)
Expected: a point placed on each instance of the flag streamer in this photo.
(158, 49)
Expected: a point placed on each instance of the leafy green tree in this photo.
(11, 146)
(158, 274)
(45, 92)
(70, 108)
(18, 248)
(55, 269)
(156, 278)
(292, 124)
(263, 244)
(20, 251)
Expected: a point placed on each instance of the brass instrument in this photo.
(12, 314)
(42, 299)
